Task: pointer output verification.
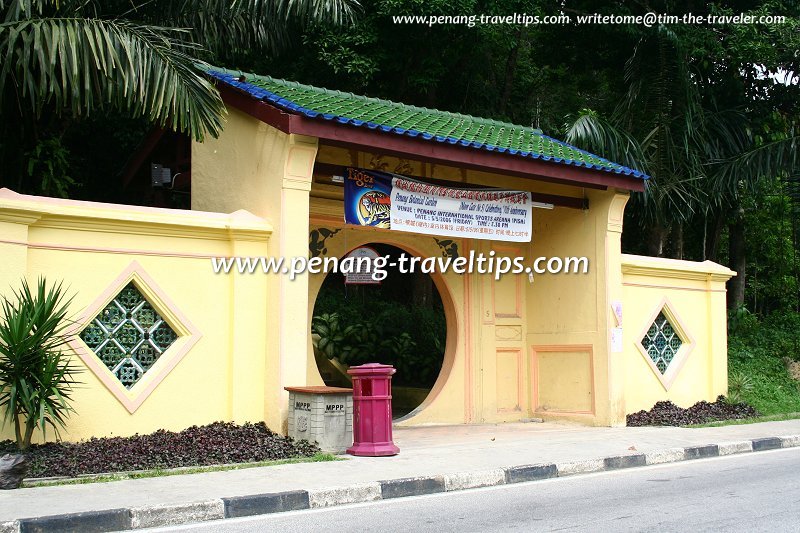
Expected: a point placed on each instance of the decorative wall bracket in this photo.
(449, 247)
(317, 238)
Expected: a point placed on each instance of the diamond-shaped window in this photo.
(665, 343)
(128, 335)
(131, 342)
(662, 342)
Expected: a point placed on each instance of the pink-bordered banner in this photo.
(399, 203)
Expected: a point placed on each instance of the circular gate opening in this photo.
(399, 321)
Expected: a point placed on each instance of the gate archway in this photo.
(407, 321)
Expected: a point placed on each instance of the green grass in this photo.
(757, 348)
(105, 478)
(741, 421)
(773, 391)
(757, 352)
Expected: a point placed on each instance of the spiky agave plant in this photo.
(36, 375)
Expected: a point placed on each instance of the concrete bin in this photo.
(323, 415)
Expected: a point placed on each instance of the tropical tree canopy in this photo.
(710, 112)
(145, 57)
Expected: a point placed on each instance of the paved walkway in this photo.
(424, 452)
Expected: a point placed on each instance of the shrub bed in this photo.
(214, 444)
(669, 414)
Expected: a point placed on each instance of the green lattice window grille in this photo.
(129, 335)
(662, 342)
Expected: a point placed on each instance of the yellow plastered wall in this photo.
(571, 373)
(95, 249)
(544, 347)
(694, 296)
(256, 167)
(515, 347)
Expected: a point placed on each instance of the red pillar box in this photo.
(372, 410)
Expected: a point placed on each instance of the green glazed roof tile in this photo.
(427, 124)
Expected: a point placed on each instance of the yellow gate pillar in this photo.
(292, 242)
(256, 167)
(612, 208)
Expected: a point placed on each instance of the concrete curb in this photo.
(277, 502)
(173, 515)
(257, 504)
(365, 492)
(108, 520)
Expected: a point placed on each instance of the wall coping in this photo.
(74, 214)
(642, 265)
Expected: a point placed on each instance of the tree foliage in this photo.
(709, 111)
(64, 60)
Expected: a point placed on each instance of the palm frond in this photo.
(337, 11)
(592, 132)
(77, 56)
(244, 24)
(79, 65)
(777, 158)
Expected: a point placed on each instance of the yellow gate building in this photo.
(167, 343)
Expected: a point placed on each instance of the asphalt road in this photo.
(751, 492)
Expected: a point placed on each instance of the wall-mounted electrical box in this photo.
(160, 176)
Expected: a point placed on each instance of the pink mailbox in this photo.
(372, 410)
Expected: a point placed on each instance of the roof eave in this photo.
(334, 133)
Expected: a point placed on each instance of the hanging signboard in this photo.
(362, 275)
(395, 202)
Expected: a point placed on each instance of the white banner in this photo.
(476, 214)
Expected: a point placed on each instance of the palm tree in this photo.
(741, 173)
(66, 59)
(702, 161)
(662, 128)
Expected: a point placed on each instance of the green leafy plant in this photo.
(331, 335)
(49, 163)
(739, 384)
(218, 443)
(741, 321)
(363, 345)
(371, 342)
(412, 365)
(761, 352)
(358, 325)
(36, 376)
